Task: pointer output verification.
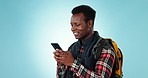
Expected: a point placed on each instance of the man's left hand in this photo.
(66, 58)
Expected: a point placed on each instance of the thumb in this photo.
(58, 50)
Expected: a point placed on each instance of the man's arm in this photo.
(103, 68)
(60, 70)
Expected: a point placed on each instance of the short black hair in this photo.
(88, 12)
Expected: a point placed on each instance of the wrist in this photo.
(75, 64)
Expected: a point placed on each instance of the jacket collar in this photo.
(92, 38)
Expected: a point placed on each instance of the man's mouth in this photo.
(75, 33)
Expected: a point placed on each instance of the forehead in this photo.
(77, 17)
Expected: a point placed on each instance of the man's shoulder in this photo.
(72, 45)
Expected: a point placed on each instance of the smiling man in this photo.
(79, 61)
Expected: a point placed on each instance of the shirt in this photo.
(103, 66)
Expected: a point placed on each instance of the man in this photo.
(78, 61)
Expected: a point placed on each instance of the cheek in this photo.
(82, 27)
(84, 31)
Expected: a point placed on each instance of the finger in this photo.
(56, 57)
(61, 58)
(58, 60)
(61, 54)
(58, 50)
(61, 61)
(56, 53)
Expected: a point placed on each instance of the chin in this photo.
(77, 37)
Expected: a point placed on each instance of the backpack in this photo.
(97, 49)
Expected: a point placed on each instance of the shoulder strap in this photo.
(97, 49)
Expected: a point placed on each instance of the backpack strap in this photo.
(106, 43)
(97, 49)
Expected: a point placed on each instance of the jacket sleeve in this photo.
(60, 70)
(103, 68)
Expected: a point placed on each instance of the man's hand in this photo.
(64, 57)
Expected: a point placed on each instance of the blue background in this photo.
(27, 27)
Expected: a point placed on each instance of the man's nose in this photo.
(73, 28)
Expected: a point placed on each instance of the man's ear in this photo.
(90, 23)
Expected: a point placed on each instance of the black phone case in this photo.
(56, 46)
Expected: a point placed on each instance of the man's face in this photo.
(80, 28)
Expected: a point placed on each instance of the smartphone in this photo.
(56, 46)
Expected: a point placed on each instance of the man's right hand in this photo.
(64, 57)
(57, 54)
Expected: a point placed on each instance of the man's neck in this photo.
(82, 40)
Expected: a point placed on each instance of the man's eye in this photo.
(77, 24)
